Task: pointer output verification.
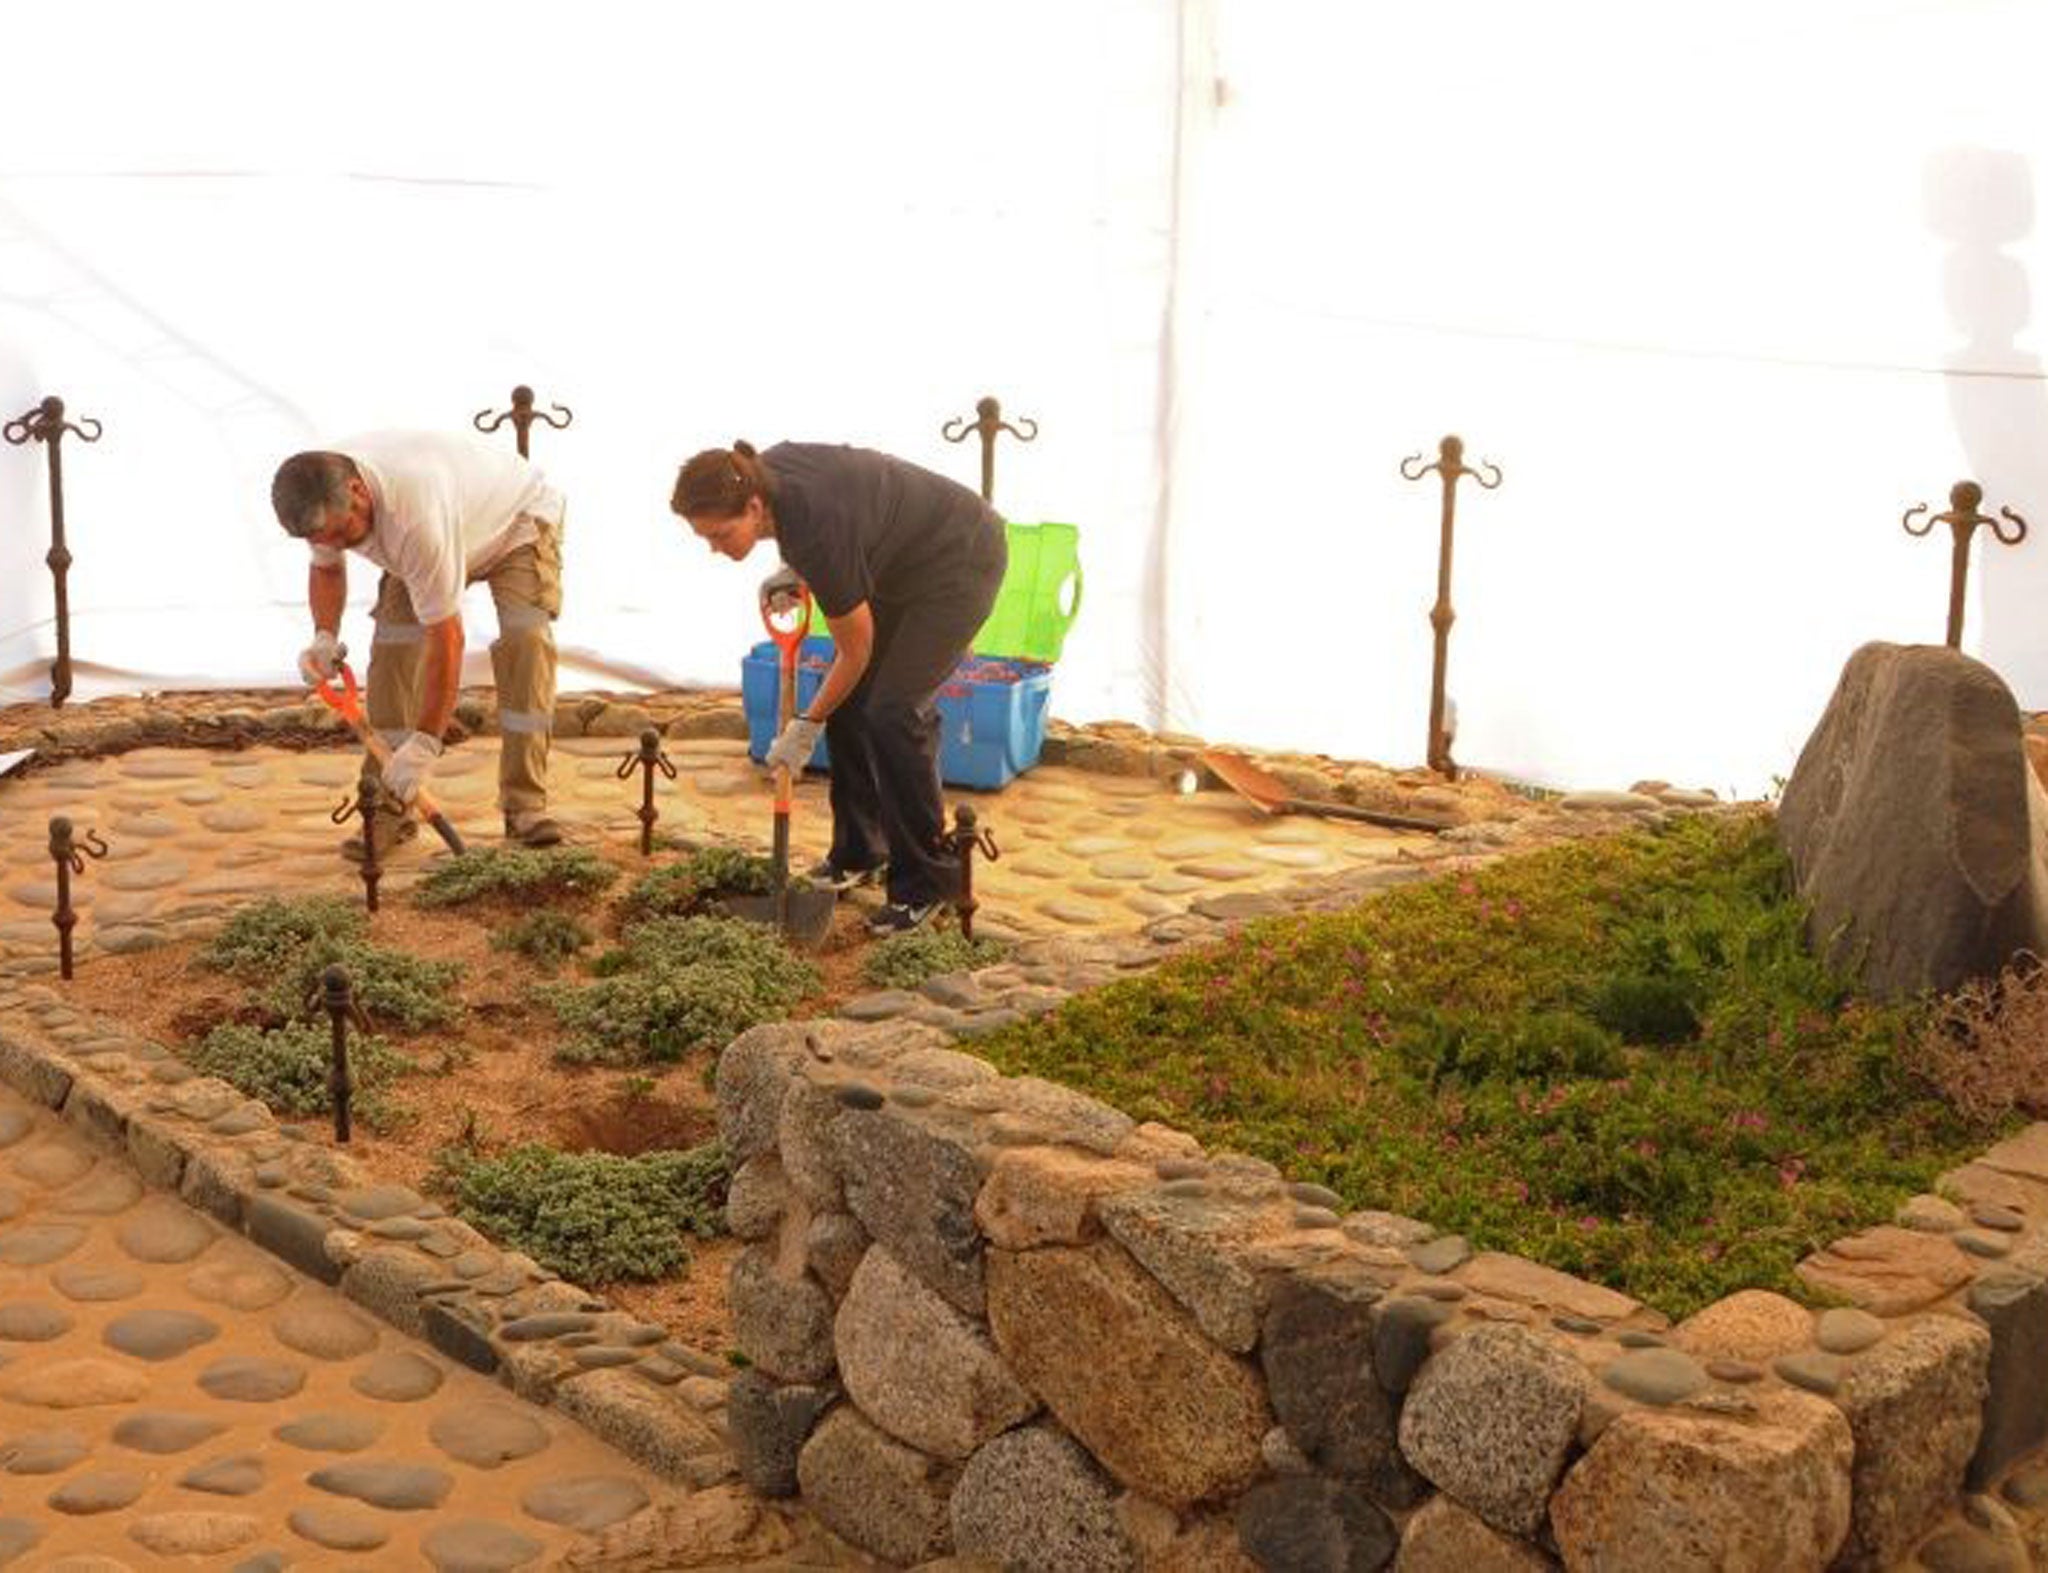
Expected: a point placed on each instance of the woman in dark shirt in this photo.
(905, 565)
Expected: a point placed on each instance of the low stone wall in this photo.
(993, 1318)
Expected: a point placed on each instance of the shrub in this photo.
(678, 889)
(546, 937)
(1985, 1047)
(269, 935)
(1645, 1009)
(523, 872)
(903, 961)
(676, 985)
(287, 1068)
(593, 1217)
(396, 990)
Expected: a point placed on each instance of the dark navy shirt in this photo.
(862, 526)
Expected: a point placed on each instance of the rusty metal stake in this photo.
(967, 837)
(70, 858)
(1963, 518)
(369, 791)
(649, 758)
(1450, 465)
(522, 415)
(46, 424)
(337, 995)
(989, 421)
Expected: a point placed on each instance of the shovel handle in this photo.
(346, 703)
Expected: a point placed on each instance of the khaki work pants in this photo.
(526, 586)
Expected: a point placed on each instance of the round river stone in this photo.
(487, 1434)
(473, 1545)
(156, 1431)
(29, 1322)
(324, 1330)
(330, 1432)
(159, 1335)
(584, 1502)
(247, 1379)
(400, 1377)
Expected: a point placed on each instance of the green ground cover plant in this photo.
(287, 1068)
(547, 937)
(1616, 1057)
(524, 873)
(593, 1217)
(678, 889)
(903, 961)
(280, 948)
(675, 985)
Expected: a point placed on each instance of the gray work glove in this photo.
(320, 661)
(791, 749)
(412, 761)
(782, 591)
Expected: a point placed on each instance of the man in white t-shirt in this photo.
(436, 512)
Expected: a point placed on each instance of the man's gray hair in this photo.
(307, 487)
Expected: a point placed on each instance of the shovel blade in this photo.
(805, 922)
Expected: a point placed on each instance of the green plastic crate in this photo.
(1039, 600)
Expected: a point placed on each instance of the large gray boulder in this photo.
(1915, 826)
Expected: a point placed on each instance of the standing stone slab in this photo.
(1687, 1493)
(754, 1074)
(888, 1499)
(1915, 1407)
(919, 1369)
(1888, 1271)
(2014, 1306)
(1915, 828)
(1033, 1501)
(1127, 1372)
(804, 1143)
(1049, 1195)
(911, 1179)
(1316, 1351)
(1490, 1419)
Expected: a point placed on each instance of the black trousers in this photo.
(884, 739)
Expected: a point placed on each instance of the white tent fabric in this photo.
(1721, 290)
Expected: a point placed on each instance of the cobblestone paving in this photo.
(193, 833)
(172, 1395)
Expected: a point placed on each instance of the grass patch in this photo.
(676, 985)
(287, 1068)
(1615, 1057)
(280, 948)
(269, 934)
(525, 873)
(593, 1217)
(547, 938)
(903, 961)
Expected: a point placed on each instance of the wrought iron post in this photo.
(369, 792)
(1450, 466)
(649, 758)
(46, 424)
(989, 421)
(338, 996)
(522, 415)
(1962, 519)
(69, 856)
(966, 838)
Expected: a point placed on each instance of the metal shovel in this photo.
(1269, 793)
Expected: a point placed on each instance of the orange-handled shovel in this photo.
(347, 703)
(786, 615)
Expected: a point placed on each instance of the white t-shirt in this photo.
(446, 510)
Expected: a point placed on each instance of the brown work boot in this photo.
(391, 831)
(532, 828)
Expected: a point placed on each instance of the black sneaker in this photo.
(900, 917)
(831, 876)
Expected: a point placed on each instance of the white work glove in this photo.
(412, 761)
(791, 750)
(782, 591)
(320, 661)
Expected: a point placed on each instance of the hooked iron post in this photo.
(69, 856)
(1962, 519)
(369, 792)
(988, 421)
(46, 424)
(967, 837)
(522, 415)
(337, 995)
(1451, 467)
(649, 758)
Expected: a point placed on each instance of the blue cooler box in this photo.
(989, 731)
